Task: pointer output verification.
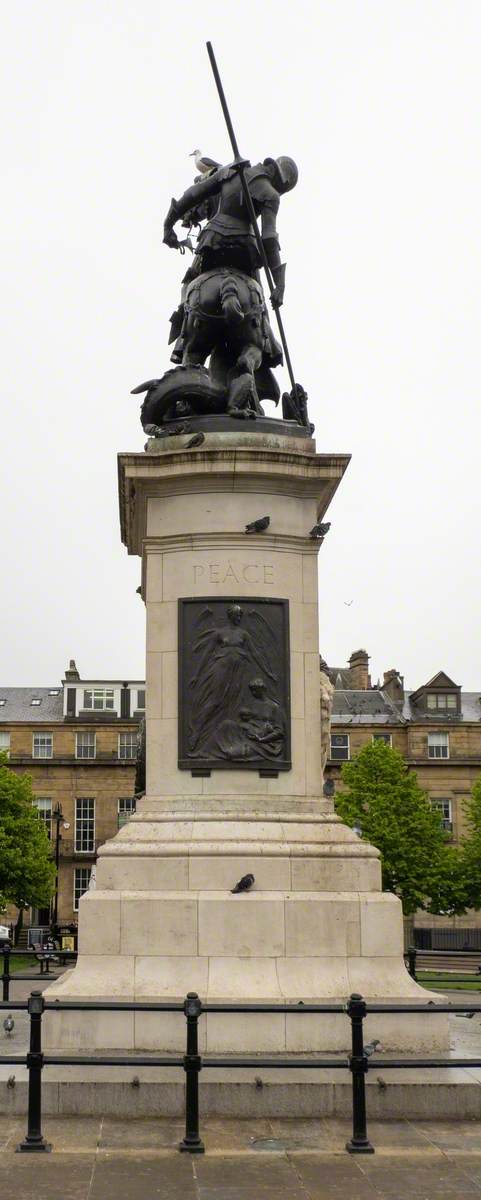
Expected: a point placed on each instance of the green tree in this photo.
(394, 814)
(470, 848)
(27, 873)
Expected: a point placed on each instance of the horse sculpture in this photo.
(224, 317)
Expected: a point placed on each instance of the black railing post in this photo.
(412, 961)
(6, 973)
(33, 1140)
(192, 1066)
(358, 1065)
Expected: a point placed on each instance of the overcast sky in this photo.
(379, 102)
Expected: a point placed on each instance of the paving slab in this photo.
(437, 1179)
(138, 1178)
(141, 1135)
(333, 1178)
(257, 1177)
(99, 1158)
(45, 1176)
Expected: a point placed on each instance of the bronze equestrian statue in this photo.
(223, 316)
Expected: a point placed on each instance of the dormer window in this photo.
(439, 696)
(445, 701)
(99, 699)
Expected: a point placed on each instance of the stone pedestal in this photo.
(162, 920)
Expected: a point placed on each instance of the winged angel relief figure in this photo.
(235, 712)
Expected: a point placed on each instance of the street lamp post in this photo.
(57, 816)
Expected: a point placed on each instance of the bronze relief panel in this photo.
(234, 694)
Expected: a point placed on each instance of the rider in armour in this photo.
(228, 240)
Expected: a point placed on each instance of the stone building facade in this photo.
(436, 728)
(78, 741)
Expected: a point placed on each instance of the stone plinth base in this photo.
(163, 922)
(430, 1094)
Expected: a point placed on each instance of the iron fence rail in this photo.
(358, 1062)
(45, 957)
(434, 962)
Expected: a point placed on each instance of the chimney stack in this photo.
(359, 670)
(393, 685)
(71, 672)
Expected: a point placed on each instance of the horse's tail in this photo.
(230, 301)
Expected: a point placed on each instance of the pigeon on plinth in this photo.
(258, 526)
(244, 884)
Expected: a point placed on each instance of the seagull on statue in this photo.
(204, 165)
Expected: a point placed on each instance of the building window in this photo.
(438, 745)
(5, 743)
(340, 746)
(128, 744)
(442, 805)
(383, 737)
(85, 746)
(81, 880)
(43, 804)
(441, 700)
(42, 745)
(99, 699)
(140, 704)
(84, 826)
(126, 808)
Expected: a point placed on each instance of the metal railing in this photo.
(434, 961)
(46, 959)
(358, 1062)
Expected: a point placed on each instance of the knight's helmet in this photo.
(286, 173)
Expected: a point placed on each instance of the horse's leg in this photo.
(196, 342)
(242, 398)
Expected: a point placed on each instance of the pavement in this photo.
(106, 1159)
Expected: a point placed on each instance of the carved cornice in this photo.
(222, 469)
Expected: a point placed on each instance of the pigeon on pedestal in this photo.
(244, 884)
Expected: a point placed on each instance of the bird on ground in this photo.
(258, 526)
(204, 164)
(371, 1047)
(196, 440)
(9, 1025)
(320, 530)
(244, 884)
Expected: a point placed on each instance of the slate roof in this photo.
(470, 710)
(374, 707)
(19, 705)
(366, 707)
(340, 676)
